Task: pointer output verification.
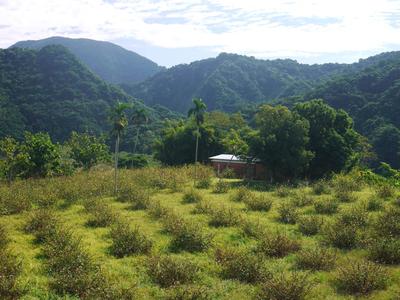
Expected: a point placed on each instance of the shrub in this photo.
(259, 203)
(288, 213)
(221, 187)
(138, 197)
(283, 191)
(310, 225)
(69, 265)
(223, 216)
(326, 206)
(4, 239)
(204, 177)
(228, 173)
(203, 207)
(360, 277)
(277, 245)
(374, 204)
(385, 191)
(101, 214)
(190, 237)
(14, 199)
(73, 271)
(321, 187)
(302, 199)
(252, 228)
(190, 292)
(192, 196)
(340, 235)
(316, 258)
(42, 223)
(241, 265)
(345, 196)
(387, 223)
(356, 216)
(10, 270)
(346, 183)
(127, 241)
(385, 250)
(156, 210)
(293, 286)
(242, 194)
(170, 271)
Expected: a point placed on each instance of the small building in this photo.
(243, 167)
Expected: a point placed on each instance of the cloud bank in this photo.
(275, 28)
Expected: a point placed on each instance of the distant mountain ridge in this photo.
(111, 62)
(229, 82)
(51, 90)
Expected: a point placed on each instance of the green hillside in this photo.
(50, 90)
(372, 97)
(112, 63)
(231, 82)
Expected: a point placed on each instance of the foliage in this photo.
(310, 224)
(332, 138)
(316, 258)
(360, 277)
(221, 187)
(192, 196)
(277, 244)
(241, 265)
(326, 206)
(340, 235)
(288, 213)
(127, 241)
(87, 150)
(281, 142)
(259, 203)
(170, 271)
(293, 285)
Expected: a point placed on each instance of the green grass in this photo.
(209, 279)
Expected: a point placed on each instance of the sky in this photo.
(171, 32)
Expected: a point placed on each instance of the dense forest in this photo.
(111, 62)
(231, 82)
(50, 90)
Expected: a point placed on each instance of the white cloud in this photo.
(261, 28)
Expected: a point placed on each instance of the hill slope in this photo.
(229, 82)
(50, 90)
(112, 63)
(372, 97)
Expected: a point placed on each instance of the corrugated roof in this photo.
(225, 157)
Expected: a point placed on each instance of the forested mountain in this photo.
(372, 97)
(112, 63)
(229, 82)
(50, 90)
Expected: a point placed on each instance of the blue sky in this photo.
(172, 31)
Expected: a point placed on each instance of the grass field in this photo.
(161, 238)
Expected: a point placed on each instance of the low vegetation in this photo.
(161, 237)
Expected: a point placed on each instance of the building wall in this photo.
(242, 170)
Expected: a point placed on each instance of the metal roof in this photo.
(229, 157)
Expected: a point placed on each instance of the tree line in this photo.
(311, 140)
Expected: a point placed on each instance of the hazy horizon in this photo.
(173, 32)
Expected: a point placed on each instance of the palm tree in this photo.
(140, 117)
(119, 122)
(198, 113)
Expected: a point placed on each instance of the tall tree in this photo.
(140, 117)
(280, 142)
(119, 121)
(197, 112)
(332, 138)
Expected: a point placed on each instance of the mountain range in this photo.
(111, 62)
(52, 85)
